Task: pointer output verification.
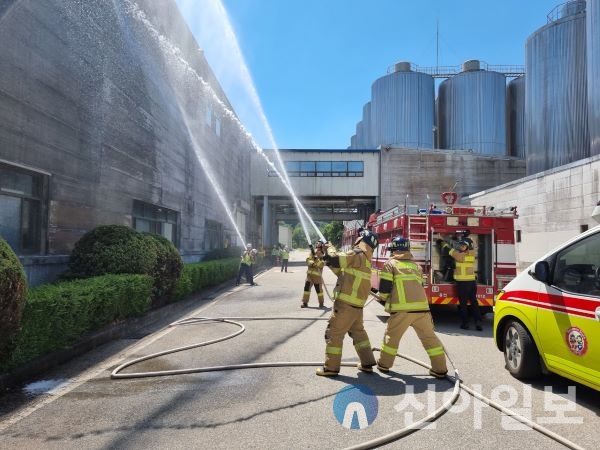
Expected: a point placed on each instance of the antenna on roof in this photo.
(437, 43)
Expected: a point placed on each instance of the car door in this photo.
(568, 321)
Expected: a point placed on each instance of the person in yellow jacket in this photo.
(401, 287)
(245, 269)
(350, 295)
(285, 256)
(314, 275)
(466, 284)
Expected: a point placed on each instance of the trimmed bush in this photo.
(13, 288)
(112, 249)
(197, 276)
(167, 266)
(57, 315)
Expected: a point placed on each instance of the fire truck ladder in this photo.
(417, 228)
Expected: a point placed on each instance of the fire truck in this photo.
(491, 231)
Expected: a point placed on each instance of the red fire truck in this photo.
(491, 230)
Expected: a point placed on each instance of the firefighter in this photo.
(275, 255)
(466, 284)
(285, 256)
(401, 288)
(350, 295)
(246, 261)
(314, 274)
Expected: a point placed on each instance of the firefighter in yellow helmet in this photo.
(401, 287)
(314, 274)
(350, 295)
(466, 284)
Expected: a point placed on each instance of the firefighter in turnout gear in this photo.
(314, 275)
(401, 287)
(246, 261)
(350, 295)
(466, 284)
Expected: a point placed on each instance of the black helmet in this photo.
(469, 242)
(369, 238)
(462, 242)
(399, 243)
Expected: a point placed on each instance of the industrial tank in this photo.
(556, 121)
(593, 73)
(515, 118)
(402, 109)
(472, 111)
(359, 135)
(366, 120)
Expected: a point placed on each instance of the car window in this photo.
(576, 267)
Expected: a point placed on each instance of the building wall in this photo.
(421, 173)
(367, 185)
(553, 206)
(115, 102)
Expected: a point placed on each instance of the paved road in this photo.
(284, 407)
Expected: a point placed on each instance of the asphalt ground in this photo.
(79, 405)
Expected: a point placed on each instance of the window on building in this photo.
(22, 194)
(518, 235)
(323, 169)
(583, 228)
(213, 235)
(155, 219)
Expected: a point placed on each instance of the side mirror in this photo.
(541, 271)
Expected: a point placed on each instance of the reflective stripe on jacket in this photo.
(314, 273)
(406, 285)
(465, 265)
(247, 258)
(354, 282)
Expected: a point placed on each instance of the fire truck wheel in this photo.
(520, 353)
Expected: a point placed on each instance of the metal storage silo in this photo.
(472, 111)
(593, 73)
(366, 120)
(515, 119)
(556, 122)
(402, 109)
(359, 135)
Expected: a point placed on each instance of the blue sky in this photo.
(298, 72)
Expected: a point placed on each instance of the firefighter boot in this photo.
(364, 368)
(325, 372)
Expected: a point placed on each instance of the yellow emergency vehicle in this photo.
(548, 318)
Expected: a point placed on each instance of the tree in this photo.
(333, 232)
(298, 237)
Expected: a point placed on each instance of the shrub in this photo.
(167, 266)
(57, 315)
(13, 288)
(112, 249)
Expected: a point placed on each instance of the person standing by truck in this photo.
(466, 284)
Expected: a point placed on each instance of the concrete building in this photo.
(109, 114)
(553, 206)
(351, 184)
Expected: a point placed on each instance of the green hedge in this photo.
(13, 290)
(197, 276)
(57, 315)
